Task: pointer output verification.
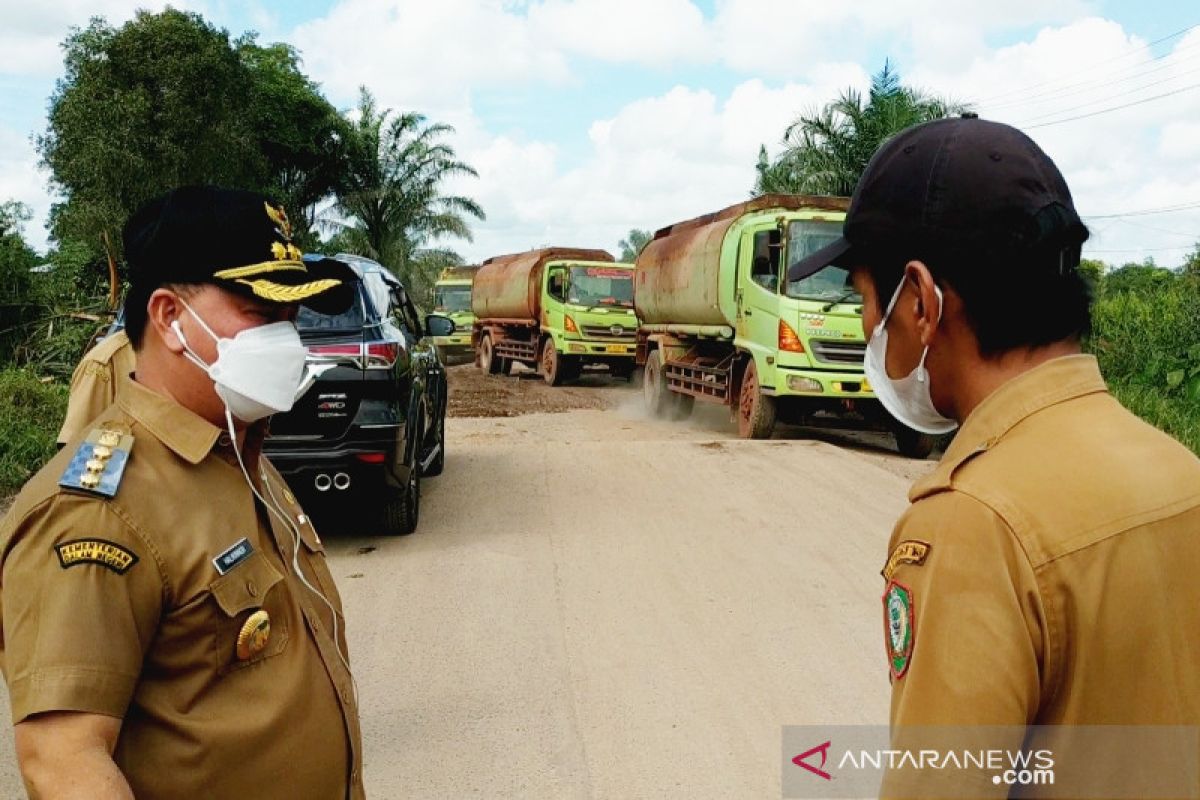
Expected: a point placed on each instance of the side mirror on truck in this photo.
(438, 325)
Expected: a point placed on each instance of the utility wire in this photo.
(1115, 108)
(1147, 211)
(1098, 83)
(1084, 70)
(1109, 98)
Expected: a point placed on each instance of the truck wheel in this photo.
(654, 386)
(756, 411)
(913, 444)
(487, 357)
(553, 368)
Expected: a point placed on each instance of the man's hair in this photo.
(1012, 298)
(136, 314)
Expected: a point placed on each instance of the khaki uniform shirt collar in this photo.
(1045, 385)
(190, 436)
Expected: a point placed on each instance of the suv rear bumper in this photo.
(300, 459)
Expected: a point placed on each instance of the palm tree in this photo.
(827, 150)
(631, 247)
(392, 199)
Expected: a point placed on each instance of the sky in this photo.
(586, 118)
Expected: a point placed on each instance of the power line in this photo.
(1147, 211)
(1091, 67)
(1193, 234)
(1115, 108)
(1096, 83)
(1125, 93)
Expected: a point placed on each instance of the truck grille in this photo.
(838, 352)
(608, 332)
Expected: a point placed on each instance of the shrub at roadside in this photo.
(31, 412)
(1148, 345)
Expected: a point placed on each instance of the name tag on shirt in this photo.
(239, 552)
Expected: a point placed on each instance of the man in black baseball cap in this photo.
(1052, 500)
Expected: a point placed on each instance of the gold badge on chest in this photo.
(253, 637)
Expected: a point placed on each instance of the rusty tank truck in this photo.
(558, 310)
(721, 323)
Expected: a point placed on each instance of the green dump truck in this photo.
(557, 310)
(721, 323)
(452, 297)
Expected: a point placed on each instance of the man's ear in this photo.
(163, 308)
(929, 306)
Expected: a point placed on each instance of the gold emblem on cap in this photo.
(279, 217)
(252, 638)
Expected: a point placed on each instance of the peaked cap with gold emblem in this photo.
(238, 240)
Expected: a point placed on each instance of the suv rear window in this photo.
(352, 319)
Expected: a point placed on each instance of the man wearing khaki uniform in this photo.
(170, 627)
(94, 382)
(1046, 571)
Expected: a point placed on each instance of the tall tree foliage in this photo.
(168, 99)
(827, 149)
(632, 245)
(394, 197)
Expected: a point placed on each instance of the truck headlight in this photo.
(799, 383)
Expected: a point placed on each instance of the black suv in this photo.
(374, 421)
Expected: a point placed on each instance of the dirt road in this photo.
(597, 605)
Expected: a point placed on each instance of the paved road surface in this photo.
(600, 606)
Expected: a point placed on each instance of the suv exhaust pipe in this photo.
(341, 481)
(322, 482)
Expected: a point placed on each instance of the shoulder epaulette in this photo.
(99, 464)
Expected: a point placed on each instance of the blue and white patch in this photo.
(239, 552)
(99, 464)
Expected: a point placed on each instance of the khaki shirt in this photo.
(115, 606)
(94, 383)
(1048, 570)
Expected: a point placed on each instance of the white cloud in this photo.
(21, 180)
(32, 33)
(414, 53)
(656, 32)
(1140, 157)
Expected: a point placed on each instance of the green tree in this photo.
(167, 99)
(17, 307)
(1145, 278)
(393, 196)
(827, 149)
(633, 244)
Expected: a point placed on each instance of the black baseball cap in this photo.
(954, 185)
(238, 240)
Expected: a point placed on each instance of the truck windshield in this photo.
(805, 237)
(601, 286)
(452, 298)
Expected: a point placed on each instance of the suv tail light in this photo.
(381, 355)
(374, 355)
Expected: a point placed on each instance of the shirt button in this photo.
(252, 588)
(224, 440)
(354, 776)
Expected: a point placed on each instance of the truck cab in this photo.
(588, 318)
(452, 298)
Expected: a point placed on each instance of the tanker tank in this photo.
(509, 287)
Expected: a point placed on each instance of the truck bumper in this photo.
(598, 352)
(813, 383)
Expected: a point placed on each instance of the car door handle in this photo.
(749, 313)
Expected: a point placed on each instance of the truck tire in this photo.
(660, 400)
(913, 444)
(487, 357)
(551, 364)
(755, 411)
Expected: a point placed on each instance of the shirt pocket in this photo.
(254, 585)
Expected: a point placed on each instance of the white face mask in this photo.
(258, 372)
(907, 399)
